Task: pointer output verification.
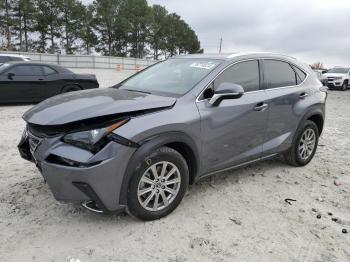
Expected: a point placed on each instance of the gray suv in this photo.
(138, 145)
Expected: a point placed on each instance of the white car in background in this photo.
(321, 76)
(338, 77)
(4, 58)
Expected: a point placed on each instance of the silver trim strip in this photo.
(233, 55)
(256, 91)
(215, 97)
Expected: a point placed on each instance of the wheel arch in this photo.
(178, 141)
(315, 114)
(318, 120)
(70, 85)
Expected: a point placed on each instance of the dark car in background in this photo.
(4, 58)
(137, 146)
(34, 82)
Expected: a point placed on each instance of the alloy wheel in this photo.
(307, 144)
(159, 186)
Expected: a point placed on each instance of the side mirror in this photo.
(10, 76)
(226, 91)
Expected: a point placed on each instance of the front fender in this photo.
(148, 145)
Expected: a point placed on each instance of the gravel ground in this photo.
(235, 216)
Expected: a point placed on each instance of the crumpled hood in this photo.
(81, 105)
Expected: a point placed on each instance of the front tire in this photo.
(344, 86)
(158, 184)
(304, 145)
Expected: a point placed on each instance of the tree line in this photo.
(110, 27)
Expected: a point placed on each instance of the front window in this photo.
(245, 74)
(173, 77)
(23, 70)
(3, 67)
(339, 70)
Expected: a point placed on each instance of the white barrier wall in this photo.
(86, 61)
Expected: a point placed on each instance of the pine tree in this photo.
(23, 22)
(48, 24)
(72, 16)
(87, 36)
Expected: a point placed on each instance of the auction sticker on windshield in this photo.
(204, 65)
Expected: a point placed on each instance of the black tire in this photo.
(292, 156)
(167, 154)
(70, 88)
(344, 85)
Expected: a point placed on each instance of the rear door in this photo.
(286, 94)
(23, 84)
(234, 131)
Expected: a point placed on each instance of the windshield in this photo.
(3, 67)
(172, 77)
(339, 70)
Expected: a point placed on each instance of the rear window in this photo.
(279, 74)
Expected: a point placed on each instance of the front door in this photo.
(233, 132)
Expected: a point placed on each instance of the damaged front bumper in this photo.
(74, 174)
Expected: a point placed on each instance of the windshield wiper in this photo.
(140, 91)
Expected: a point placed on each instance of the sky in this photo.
(310, 30)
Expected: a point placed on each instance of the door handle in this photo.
(303, 95)
(261, 106)
(41, 79)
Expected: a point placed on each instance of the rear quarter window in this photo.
(48, 70)
(301, 75)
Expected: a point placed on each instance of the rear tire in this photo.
(70, 88)
(158, 184)
(304, 145)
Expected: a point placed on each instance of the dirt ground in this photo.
(239, 215)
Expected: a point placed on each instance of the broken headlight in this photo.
(94, 139)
